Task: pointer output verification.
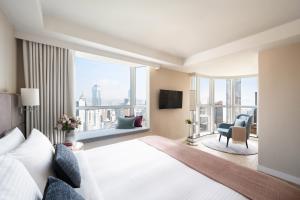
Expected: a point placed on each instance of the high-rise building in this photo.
(237, 91)
(81, 113)
(219, 112)
(96, 95)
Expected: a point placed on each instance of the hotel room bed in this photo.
(134, 170)
(149, 168)
(154, 168)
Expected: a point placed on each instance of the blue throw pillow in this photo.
(57, 189)
(125, 122)
(239, 123)
(66, 166)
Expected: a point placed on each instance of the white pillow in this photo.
(11, 140)
(36, 153)
(16, 183)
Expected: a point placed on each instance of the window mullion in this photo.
(132, 89)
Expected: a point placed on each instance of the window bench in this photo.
(90, 136)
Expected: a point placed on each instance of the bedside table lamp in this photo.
(191, 140)
(30, 98)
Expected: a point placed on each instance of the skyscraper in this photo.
(238, 92)
(96, 95)
(218, 113)
(81, 113)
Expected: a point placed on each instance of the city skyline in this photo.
(112, 79)
(246, 90)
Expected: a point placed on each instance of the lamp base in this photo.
(192, 140)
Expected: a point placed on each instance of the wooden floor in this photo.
(249, 161)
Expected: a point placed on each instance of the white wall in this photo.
(279, 112)
(7, 56)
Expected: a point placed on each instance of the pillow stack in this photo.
(16, 183)
(129, 122)
(27, 165)
(11, 140)
(36, 153)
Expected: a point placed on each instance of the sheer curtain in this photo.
(50, 69)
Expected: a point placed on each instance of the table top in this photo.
(76, 146)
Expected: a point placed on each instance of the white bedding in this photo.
(133, 170)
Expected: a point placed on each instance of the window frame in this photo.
(132, 102)
(211, 106)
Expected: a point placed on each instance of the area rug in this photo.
(212, 141)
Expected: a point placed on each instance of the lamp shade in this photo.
(192, 100)
(30, 96)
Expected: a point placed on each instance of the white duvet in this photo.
(133, 170)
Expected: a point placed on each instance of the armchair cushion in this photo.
(239, 123)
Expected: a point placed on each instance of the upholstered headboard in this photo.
(10, 115)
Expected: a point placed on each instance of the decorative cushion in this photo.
(57, 189)
(15, 181)
(36, 153)
(125, 122)
(66, 166)
(239, 123)
(137, 121)
(11, 140)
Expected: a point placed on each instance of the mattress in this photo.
(136, 171)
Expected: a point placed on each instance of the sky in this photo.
(248, 88)
(113, 78)
(114, 81)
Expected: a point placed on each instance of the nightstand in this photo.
(77, 146)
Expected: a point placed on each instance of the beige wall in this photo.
(279, 110)
(7, 56)
(167, 122)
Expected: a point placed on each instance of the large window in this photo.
(205, 106)
(106, 89)
(220, 92)
(221, 100)
(245, 96)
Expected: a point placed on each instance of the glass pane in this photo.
(93, 119)
(220, 92)
(141, 85)
(204, 91)
(246, 91)
(204, 119)
(220, 115)
(237, 91)
(247, 111)
(101, 83)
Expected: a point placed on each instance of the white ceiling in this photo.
(238, 64)
(204, 36)
(178, 27)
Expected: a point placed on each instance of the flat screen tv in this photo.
(170, 99)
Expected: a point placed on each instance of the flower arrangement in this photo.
(188, 121)
(66, 123)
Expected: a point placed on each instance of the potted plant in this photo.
(189, 123)
(68, 125)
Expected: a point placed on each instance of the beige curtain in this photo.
(50, 69)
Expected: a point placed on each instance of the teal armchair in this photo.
(225, 129)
